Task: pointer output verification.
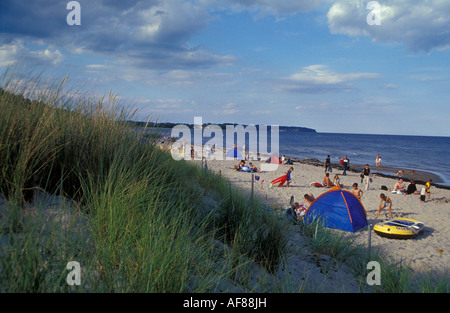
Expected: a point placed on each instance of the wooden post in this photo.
(253, 183)
(370, 240)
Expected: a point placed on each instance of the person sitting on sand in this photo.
(400, 186)
(357, 191)
(326, 181)
(412, 189)
(300, 210)
(384, 202)
(309, 199)
(253, 168)
(337, 181)
(240, 165)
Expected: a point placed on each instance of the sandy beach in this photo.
(427, 253)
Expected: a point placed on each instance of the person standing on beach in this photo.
(327, 163)
(345, 164)
(428, 186)
(378, 161)
(282, 179)
(288, 176)
(367, 176)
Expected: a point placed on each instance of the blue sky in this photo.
(315, 64)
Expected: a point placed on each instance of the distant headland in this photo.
(221, 125)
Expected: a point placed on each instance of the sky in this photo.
(334, 66)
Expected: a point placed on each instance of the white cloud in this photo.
(419, 25)
(8, 54)
(318, 78)
(12, 53)
(278, 7)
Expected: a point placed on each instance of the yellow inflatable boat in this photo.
(399, 228)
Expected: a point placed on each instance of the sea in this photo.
(420, 153)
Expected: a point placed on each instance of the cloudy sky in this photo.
(335, 66)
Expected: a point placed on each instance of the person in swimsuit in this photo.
(378, 161)
(384, 202)
(327, 181)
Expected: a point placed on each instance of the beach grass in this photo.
(148, 228)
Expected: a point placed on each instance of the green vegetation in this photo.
(147, 222)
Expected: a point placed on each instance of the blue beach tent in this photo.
(234, 154)
(338, 209)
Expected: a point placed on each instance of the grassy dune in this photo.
(147, 221)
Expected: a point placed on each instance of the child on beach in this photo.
(282, 179)
(337, 181)
(288, 176)
(428, 186)
(357, 191)
(300, 210)
(423, 193)
(384, 202)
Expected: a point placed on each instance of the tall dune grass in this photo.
(149, 229)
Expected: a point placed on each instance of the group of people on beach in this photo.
(366, 179)
(246, 168)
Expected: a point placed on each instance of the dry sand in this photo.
(427, 253)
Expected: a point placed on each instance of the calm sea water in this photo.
(430, 154)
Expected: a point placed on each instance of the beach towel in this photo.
(281, 180)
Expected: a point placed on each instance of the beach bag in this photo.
(383, 187)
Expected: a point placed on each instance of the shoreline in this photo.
(421, 177)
